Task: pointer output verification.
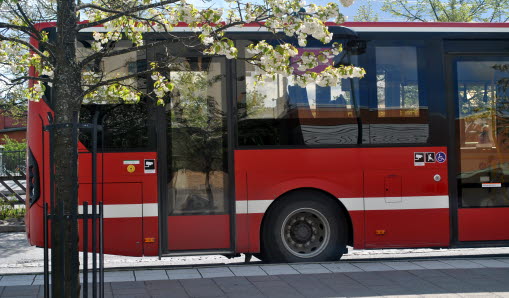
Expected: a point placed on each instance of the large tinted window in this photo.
(398, 112)
(282, 113)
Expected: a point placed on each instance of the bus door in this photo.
(197, 180)
(480, 169)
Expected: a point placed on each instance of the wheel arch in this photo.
(284, 196)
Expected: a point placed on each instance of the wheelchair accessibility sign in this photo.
(441, 157)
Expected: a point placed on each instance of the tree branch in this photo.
(100, 55)
(24, 78)
(117, 80)
(25, 43)
(32, 32)
(119, 14)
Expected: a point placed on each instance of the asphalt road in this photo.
(16, 256)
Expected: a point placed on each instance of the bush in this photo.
(7, 211)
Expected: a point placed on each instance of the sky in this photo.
(350, 12)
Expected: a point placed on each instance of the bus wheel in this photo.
(306, 226)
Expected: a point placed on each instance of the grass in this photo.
(7, 211)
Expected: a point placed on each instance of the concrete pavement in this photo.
(480, 282)
(486, 277)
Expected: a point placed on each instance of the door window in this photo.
(197, 143)
(483, 125)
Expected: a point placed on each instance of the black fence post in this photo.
(57, 215)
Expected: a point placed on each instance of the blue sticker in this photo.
(440, 157)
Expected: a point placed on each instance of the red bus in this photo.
(415, 154)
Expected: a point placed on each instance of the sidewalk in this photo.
(435, 278)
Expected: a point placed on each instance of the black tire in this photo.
(304, 226)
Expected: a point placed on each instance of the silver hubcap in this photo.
(305, 232)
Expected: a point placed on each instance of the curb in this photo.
(12, 229)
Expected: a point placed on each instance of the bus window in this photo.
(483, 123)
(127, 126)
(282, 113)
(399, 114)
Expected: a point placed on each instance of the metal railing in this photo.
(12, 163)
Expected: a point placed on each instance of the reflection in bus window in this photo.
(397, 82)
(127, 126)
(282, 113)
(197, 150)
(483, 123)
(400, 113)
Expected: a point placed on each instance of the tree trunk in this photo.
(65, 102)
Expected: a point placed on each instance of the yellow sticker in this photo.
(131, 168)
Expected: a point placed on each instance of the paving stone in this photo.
(505, 260)
(341, 267)
(241, 295)
(150, 275)
(130, 295)
(466, 273)
(107, 290)
(373, 266)
(215, 272)
(308, 285)
(428, 273)
(438, 295)
(20, 291)
(118, 276)
(39, 280)
(247, 270)
(391, 290)
(466, 264)
(17, 280)
(166, 295)
(491, 263)
(338, 278)
(183, 273)
(201, 288)
(370, 278)
(423, 288)
(127, 285)
(400, 276)
(235, 286)
(277, 288)
(165, 288)
(262, 278)
(278, 269)
(310, 268)
(349, 290)
(403, 265)
(433, 265)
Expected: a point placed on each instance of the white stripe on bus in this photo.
(395, 203)
(125, 210)
(260, 206)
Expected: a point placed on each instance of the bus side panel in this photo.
(271, 173)
(130, 201)
(38, 142)
(483, 224)
(405, 206)
(395, 202)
